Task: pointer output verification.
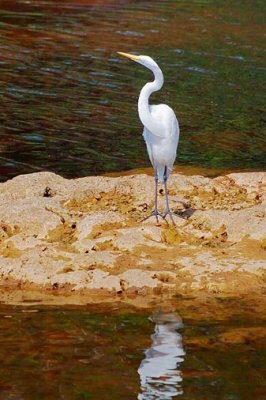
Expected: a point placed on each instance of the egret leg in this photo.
(156, 199)
(167, 211)
(155, 212)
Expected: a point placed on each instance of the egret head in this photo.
(146, 61)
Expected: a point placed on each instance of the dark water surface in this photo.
(68, 103)
(119, 353)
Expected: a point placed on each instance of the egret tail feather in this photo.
(163, 173)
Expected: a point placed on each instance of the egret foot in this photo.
(170, 213)
(155, 214)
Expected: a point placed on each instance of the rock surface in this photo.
(86, 235)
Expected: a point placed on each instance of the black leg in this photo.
(155, 212)
(167, 211)
(156, 198)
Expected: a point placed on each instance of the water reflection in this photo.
(93, 352)
(159, 371)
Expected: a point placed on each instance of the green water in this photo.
(68, 102)
(90, 352)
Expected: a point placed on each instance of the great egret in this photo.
(161, 130)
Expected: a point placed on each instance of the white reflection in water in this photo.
(159, 371)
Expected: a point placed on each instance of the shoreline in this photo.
(187, 170)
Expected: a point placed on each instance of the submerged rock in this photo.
(86, 235)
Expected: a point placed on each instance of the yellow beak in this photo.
(131, 56)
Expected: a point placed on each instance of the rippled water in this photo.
(119, 353)
(68, 102)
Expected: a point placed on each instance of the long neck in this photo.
(143, 103)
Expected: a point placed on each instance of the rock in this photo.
(238, 223)
(250, 180)
(139, 279)
(29, 216)
(39, 184)
(96, 220)
(86, 234)
(129, 238)
(103, 280)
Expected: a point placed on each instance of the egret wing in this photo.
(166, 119)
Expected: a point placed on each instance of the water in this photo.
(118, 352)
(68, 102)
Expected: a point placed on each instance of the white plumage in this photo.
(161, 129)
(162, 149)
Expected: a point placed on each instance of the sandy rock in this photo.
(257, 267)
(238, 224)
(130, 238)
(250, 180)
(22, 241)
(40, 184)
(84, 245)
(28, 216)
(138, 278)
(92, 186)
(86, 225)
(93, 259)
(86, 234)
(76, 278)
(102, 280)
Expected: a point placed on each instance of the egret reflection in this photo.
(159, 371)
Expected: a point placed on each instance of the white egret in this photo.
(161, 130)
